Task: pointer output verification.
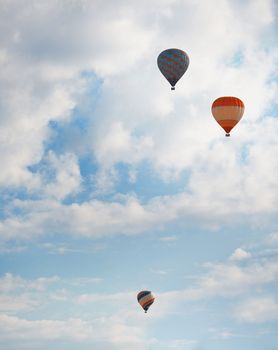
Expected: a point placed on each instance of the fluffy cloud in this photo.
(91, 219)
(79, 81)
(53, 48)
(231, 279)
(44, 50)
(67, 178)
(240, 254)
(125, 215)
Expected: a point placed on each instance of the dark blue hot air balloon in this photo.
(173, 63)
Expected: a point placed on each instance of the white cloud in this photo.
(27, 105)
(59, 249)
(67, 176)
(11, 283)
(125, 324)
(109, 329)
(232, 280)
(95, 62)
(91, 219)
(181, 132)
(104, 180)
(172, 132)
(226, 280)
(174, 135)
(220, 281)
(126, 215)
(123, 54)
(240, 254)
(18, 294)
(15, 304)
(261, 309)
(41, 70)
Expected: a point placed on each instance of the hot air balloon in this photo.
(145, 299)
(173, 63)
(227, 111)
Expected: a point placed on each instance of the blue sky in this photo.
(111, 183)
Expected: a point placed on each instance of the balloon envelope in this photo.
(173, 63)
(227, 111)
(145, 299)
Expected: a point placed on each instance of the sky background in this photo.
(111, 183)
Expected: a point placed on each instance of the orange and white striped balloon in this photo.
(227, 111)
(145, 299)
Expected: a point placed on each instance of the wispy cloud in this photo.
(273, 238)
(11, 283)
(59, 248)
(168, 238)
(110, 330)
(159, 272)
(258, 310)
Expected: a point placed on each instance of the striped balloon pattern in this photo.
(227, 111)
(145, 299)
(173, 63)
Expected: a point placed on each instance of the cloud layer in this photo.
(117, 319)
(45, 79)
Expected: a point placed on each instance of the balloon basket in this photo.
(228, 135)
(172, 88)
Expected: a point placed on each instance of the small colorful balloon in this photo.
(227, 111)
(173, 63)
(145, 299)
